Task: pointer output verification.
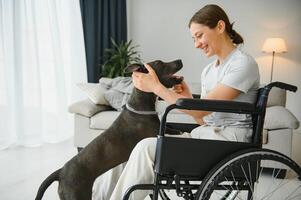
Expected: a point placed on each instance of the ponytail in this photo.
(236, 37)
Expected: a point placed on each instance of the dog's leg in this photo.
(105, 152)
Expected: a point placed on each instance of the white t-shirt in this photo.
(239, 71)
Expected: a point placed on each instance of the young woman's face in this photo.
(205, 38)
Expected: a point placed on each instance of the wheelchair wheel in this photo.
(252, 174)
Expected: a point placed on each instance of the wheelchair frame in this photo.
(178, 168)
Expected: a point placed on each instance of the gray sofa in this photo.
(90, 120)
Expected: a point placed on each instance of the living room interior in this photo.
(42, 66)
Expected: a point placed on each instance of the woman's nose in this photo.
(197, 44)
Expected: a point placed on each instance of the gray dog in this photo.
(113, 147)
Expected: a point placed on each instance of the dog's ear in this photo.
(137, 67)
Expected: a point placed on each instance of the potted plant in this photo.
(118, 58)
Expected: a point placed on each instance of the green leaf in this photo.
(118, 58)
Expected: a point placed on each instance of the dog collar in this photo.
(139, 111)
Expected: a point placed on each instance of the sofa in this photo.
(92, 119)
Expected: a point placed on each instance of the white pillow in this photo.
(95, 92)
(278, 117)
(87, 108)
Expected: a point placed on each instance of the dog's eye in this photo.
(158, 62)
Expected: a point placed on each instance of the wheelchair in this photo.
(212, 169)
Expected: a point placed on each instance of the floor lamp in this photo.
(274, 45)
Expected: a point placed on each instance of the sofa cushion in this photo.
(95, 92)
(278, 117)
(87, 108)
(103, 120)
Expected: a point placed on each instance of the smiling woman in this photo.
(233, 75)
(40, 58)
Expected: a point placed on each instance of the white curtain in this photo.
(41, 58)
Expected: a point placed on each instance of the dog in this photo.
(113, 147)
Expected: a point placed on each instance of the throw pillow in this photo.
(95, 92)
(116, 98)
(87, 108)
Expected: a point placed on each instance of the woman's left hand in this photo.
(182, 89)
(146, 82)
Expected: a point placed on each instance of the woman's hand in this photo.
(146, 82)
(182, 89)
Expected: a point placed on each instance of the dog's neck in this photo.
(142, 101)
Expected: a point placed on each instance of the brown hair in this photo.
(209, 16)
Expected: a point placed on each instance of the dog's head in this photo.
(165, 71)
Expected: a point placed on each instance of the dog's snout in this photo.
(179, 63)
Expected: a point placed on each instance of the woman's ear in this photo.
(221, 26)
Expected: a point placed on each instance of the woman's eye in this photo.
(198, 36)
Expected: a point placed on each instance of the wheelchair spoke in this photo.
(222, 196)
(276, 174)
(281, 184)
(230, 184)
(219, 194)
(163, 195)
(257, 177)
(250, 175)
(293, 197)
(247, 177)
(296, 197)
(257, 167)
(234, 179)
(260, 174)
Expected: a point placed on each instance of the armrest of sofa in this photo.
(87, 108)
(278, 117)
(277, 97)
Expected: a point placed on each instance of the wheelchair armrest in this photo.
(216, 105)
(209, 105)
(282, 85)
(195, 96)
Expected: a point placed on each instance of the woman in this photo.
(233, 75)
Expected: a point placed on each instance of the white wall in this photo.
(160, 28)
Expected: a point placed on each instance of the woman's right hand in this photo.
(147, 82)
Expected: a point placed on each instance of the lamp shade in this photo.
(276, 45)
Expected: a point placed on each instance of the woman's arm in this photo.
(150, 83)
(220, 92)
